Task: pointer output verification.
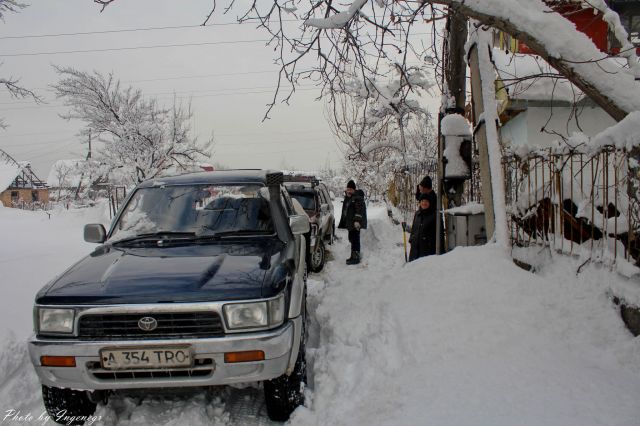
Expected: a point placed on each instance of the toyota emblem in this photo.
(147, 324)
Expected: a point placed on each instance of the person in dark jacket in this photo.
(423, 230)
(426, 187)
(353, 219)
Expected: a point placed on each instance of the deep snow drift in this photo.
(461, 339)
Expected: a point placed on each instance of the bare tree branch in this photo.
(103, 3)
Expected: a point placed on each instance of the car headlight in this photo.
(255, 314)
(55, 320)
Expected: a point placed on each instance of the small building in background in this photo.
(19, 185)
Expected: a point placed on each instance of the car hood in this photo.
(211, 272)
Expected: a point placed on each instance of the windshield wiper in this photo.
(236, 232)
(154, 236)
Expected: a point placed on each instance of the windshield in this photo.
(195, 209)
(306, 199)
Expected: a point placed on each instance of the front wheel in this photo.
(67, 406)
(285, 393)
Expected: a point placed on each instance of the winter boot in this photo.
(355, 258)
(350, 259)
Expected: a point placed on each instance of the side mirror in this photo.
(299, 224)
(332, 195)
(95, 233)
(324, 208)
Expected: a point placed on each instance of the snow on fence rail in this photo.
(573, 202)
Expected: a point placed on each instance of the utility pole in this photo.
(455, 80)
(77, 195)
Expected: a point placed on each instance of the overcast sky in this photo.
(230, 82)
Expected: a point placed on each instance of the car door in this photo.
(325, 214)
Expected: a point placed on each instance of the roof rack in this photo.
(302, 178)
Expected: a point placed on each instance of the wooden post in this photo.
(477, 103)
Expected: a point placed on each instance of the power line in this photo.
(9, 135)
(115, 49)
(200, 76)
(32, 144)
(129, 30)
(183, 77)
(164, 98)
(240, 144)
(74, 138)
(157, 46)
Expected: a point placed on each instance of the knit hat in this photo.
(426, 182)
(424, 197)
(351, 184)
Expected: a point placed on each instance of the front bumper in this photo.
(280, 347)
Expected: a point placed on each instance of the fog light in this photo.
(246, 356)
(57, 361)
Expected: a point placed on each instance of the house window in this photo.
(629, 11)
(634, 29)
(15, 195)
(34, 196)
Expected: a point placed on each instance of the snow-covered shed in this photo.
(19, 185)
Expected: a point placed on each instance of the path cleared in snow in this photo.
(461, 339)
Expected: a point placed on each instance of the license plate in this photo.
(132, 358)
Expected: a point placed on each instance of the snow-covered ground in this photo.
(461, 339)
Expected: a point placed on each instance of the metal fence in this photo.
(574, 203)
(402, 192)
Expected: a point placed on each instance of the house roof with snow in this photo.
(12, 171)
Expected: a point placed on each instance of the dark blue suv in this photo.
(200, 281)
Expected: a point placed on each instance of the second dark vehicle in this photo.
(317, 201)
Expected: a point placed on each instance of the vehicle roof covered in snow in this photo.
(216, 177)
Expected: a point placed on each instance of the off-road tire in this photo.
(72, 403)
(285, 393)
(321, 252)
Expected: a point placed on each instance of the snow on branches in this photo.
(140, 138)
(10, 6)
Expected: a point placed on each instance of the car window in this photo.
(286, 202)
(306, 199)
(198, 209)
(323, 197)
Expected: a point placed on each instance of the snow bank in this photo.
(467, 339)
(461, 339)
(34, 248)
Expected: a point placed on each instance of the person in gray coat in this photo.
(353, 219)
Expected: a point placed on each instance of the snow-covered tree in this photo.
(140, 138)
(384, 130)
(331, 40)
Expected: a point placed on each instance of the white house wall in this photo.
(526, 128)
